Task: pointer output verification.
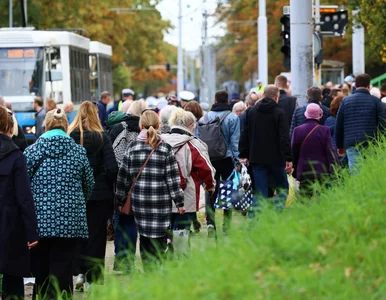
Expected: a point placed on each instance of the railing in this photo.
(377, 81)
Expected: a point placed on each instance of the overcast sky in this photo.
(191, 21)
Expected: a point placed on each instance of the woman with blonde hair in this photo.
(126, 234)
(61, 181)
(194, 163)
(87, 131)
(154, 189)
(18, 227)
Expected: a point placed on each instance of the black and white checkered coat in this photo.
(156, 188)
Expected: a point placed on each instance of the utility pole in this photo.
(302, 59)
(262, 41)
(204, 91)
(358, 46)
(180, 70)
(10, 13)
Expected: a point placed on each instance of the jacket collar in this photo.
(220, 107)
(312, 121)
(283, 92)
(361, 91)
(313, 101)
(54, 132)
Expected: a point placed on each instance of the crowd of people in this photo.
(144, 168)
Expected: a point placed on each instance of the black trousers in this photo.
(53, 261)
(152, 250)
(91, 261)
(13, 287)
(224, 168)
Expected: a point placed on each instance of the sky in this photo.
(191, 21)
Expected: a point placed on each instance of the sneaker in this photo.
(79, 282)
(211, 231)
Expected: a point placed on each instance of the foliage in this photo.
(329, 247)
(237, 50)
(136, 37)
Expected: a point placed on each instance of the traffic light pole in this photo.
(302, 59)
(262, 41)
(358, 46)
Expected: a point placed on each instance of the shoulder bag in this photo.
(127, 208)
(308, 135)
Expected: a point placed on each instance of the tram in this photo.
(101, 78)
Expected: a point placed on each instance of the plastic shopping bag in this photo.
(227, 190)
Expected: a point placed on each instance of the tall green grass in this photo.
(330, 247)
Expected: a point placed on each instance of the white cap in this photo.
(186, 96)
(128, 91)
(259, 81)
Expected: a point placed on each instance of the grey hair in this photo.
(239, 104)
(271, 91)
(166, 113)
(2, 101)
(137, 107)
(181, 118)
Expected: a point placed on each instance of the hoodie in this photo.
(265, 137)
(132, 125)
(18, 223)
(193, 160)
(61, 181)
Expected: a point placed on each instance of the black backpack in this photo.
(210, 133)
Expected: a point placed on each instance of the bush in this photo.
(330, 247)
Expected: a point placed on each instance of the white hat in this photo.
(128, 91)
(259, 81)
(186, 96)
(152, 102)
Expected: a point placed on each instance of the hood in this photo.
(132, 123)
(56, 146)
(6, 146)
(115, 117)
(92, 141)
(177, 137)
(266, 105)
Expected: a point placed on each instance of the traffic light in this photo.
(334, 23)
(286, 37)
(167, 67)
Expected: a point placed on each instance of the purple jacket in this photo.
(317, 155)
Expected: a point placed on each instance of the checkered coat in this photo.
(156, 188)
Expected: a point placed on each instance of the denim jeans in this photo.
(353, 155)
(261, 173)
(125, 241)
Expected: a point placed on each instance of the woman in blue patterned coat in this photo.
(156, 188)
(61, 181)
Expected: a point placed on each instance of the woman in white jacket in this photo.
(194, 164)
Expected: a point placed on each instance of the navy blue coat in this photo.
(359, 118)
(18, 223)
(298, 117)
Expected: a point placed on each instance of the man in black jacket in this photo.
(314, 95)
(286, 103)
(265, 144)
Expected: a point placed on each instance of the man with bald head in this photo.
(265, 145)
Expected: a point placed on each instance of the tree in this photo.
(237, 50)
(136, 38)
(372, 16)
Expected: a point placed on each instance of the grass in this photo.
(330, 247)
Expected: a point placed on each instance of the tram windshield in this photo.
(21, 71)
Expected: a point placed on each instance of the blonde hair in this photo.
(86, 118)
(56, 119)
(6, 121)
(150, 121)
(182, 118)
(126, 105)
(137, 107)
